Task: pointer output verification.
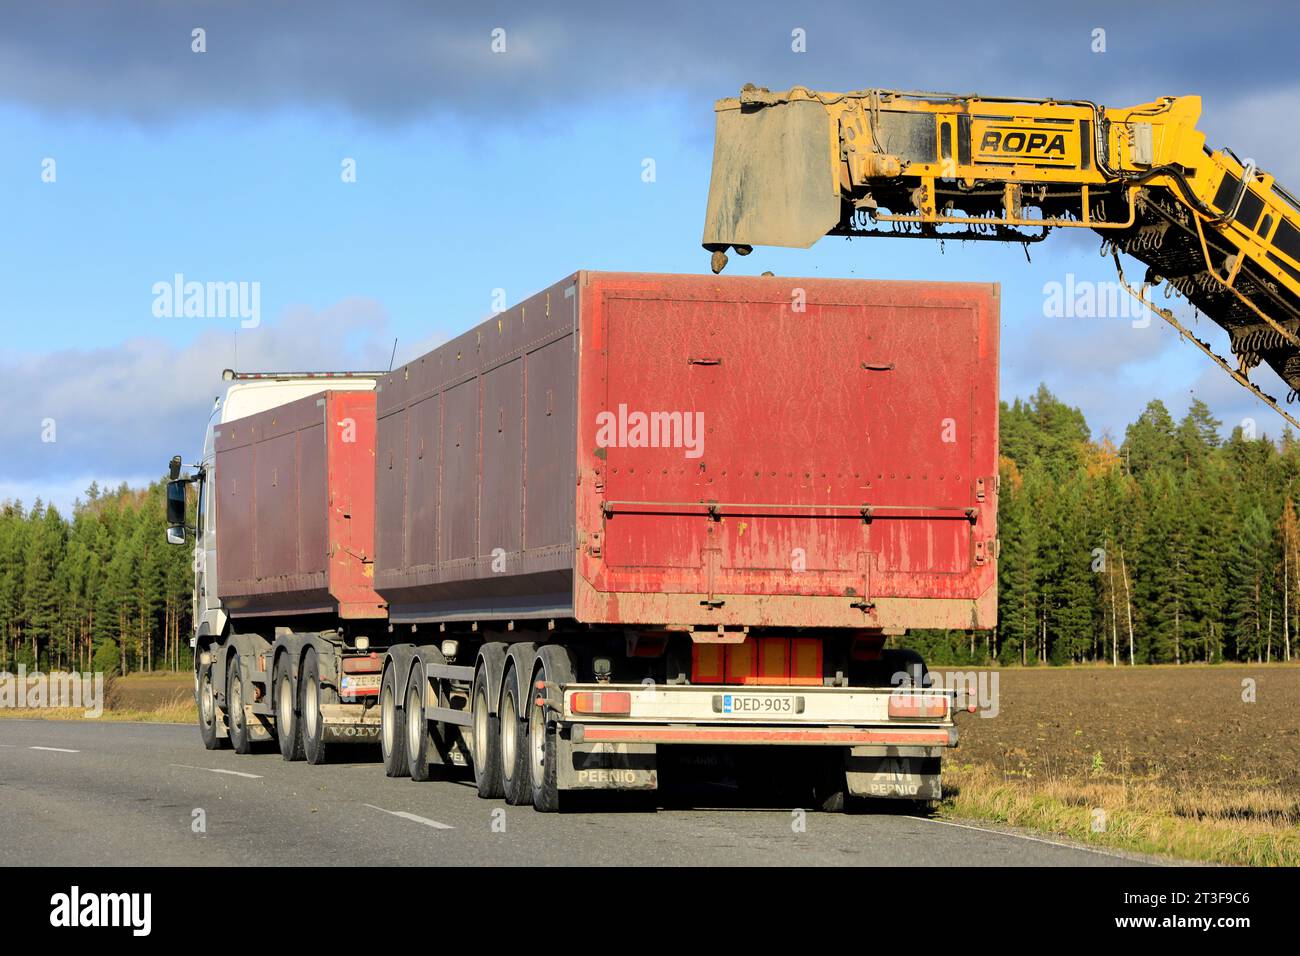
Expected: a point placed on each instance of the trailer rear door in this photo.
(797, 437)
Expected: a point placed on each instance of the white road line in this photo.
(413, 818)
(233, 773)
(57, 750)
(1022, 836)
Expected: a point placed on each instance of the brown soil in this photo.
(1177, 726)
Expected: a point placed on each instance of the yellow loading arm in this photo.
(789, 168)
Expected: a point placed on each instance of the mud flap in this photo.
(259, 725)
(605, 766)
(909, 773)
(349, 724)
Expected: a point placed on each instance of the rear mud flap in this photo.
(605, 766)
(349, 724)
(909, 773)
(259, 725)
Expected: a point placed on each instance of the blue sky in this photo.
(479, 171)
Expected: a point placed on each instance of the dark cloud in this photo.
(396, 60)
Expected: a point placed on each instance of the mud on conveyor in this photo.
(1166, 239)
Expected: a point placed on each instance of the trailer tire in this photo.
(418, 736)
(236, 719)
(207, 708)
(514, 726)
(288, 722)
(391, 724)
(314, 694)
(486, 738)
(831, 786)
(902, 660)
(554, 666)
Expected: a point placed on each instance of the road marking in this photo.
(57, 750)
(413, 818)
(1022, 836)
(233, 773)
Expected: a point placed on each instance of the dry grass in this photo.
(180, 710)
(159, 697)
(1245, 825)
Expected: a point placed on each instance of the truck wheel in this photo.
(418, 740)
(207, 706)
(314, 694)
(555, 667)
(831, 786)
(903, 660)
(486, 742)
(288, 724)
(236, 719)
(514, 736)
(391, 724)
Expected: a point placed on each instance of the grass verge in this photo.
(179, 709)
(1247, 826)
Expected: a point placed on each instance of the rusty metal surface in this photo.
(841, 483)
(849, 472)
(294, 508)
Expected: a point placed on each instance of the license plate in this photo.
(359, 683)
(757, 705)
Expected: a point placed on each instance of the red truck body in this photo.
(295, 498)
(698, 451)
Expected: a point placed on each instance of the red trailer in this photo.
(640, 492)
(699, 452)
(295, 485)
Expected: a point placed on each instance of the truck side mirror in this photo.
(176, 511)
(174, 467)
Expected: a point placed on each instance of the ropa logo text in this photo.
(635, 429)
(1016, 142)
(1000, 143)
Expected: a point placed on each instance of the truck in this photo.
(632, 518)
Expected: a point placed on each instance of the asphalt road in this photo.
(76, 793)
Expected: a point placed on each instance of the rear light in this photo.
(906, 704)
(370, 664)
(867, 647)
(601, 702)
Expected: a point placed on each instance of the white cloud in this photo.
(122, 412)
